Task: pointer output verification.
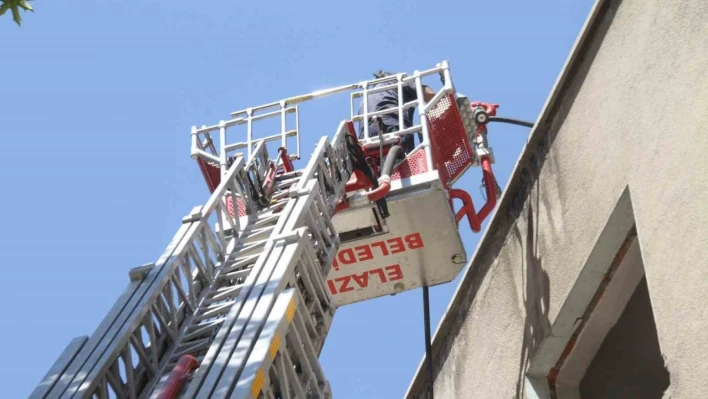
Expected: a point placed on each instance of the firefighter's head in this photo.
(381, 74)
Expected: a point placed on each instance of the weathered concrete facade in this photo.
(603, 223)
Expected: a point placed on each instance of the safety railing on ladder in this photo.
(285, 311)
(215, 154)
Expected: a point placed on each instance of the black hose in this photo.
(428, 346)
(510, 121)
(394, 154)
(359, 160)
(360, 163)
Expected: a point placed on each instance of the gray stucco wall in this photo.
(629, 112)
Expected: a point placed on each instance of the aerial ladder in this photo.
(240, 302)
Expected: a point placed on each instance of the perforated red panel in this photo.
(452, 153)
(239, 204)
(241, 207)
(414, 164)
(211, 173)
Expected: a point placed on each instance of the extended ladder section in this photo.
(243, 297)
(241, 301)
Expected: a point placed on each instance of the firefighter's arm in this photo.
(428, 93)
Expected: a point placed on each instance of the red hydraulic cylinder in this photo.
(177, 377)
(467, 209)
(491, 190)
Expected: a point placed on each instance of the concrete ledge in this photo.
(515, 195)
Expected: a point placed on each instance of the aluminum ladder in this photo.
(243, 296)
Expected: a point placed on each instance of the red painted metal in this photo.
(452, 153)
(358, 181)
(374, 195)
(491, 190)
(341, 205)
(414, 164)
(287, 162)
(491, 109)
(269, 181)
(375, 152)
(476, 218)
(211, 173)
(177, 377)
(379, 192)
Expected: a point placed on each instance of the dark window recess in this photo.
(629, 363)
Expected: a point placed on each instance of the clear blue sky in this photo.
(96, 103)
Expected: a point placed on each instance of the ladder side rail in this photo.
(59, 367)
(311, 212)
(284, 342)
(150, 301)
(284, 263)
(332, 162)
(234, 187)
(204, 372)
(311, 168)
(226, 271)
(227, 338)
(313, 284)
(314, 326)
(264, 353)
(207, 375)
(284, 258)
(260, 160)
(160, 323)
(123, 305)
(342, 166)
(316, 313)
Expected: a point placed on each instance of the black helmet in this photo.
(381, 74)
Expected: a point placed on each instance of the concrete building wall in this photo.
(618, 160)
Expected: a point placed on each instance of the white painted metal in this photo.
(420, 246)
(248, 296)
(214, 287)
(204, 146)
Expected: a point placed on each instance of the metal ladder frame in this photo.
(155, 304)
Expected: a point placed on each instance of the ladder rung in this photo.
(202, 329)
(214, 311)
(223, 293)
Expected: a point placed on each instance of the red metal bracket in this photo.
(491, 109)
(287, 163)
(269, 181)
(476, 218)
(211, 173)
